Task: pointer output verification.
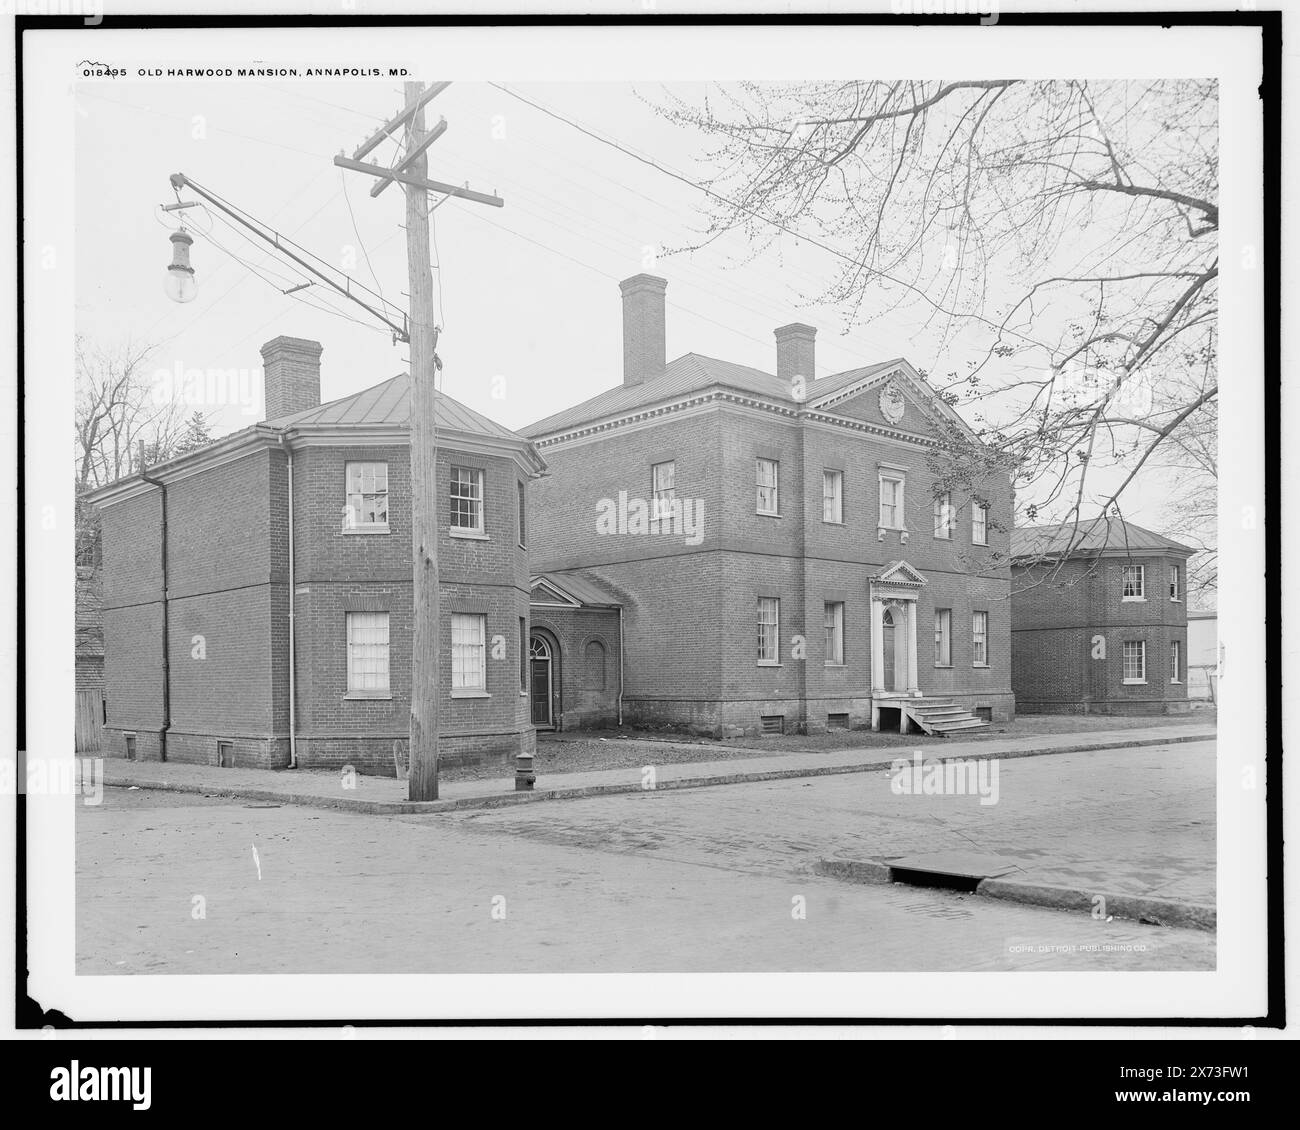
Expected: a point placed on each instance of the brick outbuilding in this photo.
(784, 550)
(1098, 619)
(257, 592)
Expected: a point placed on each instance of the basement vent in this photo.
(837, 721)
(226, 755)
(773, 723)
(984, 713)
(130, 746)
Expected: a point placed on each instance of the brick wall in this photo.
(1058, 617)
(346, 570)
(691, 611)
(228, 613)
(133, 671)
(586, 668)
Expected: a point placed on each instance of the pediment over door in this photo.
(899, 573)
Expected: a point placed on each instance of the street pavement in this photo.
(684, 881)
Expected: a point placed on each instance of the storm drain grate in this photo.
(949, 870)
(942, 879)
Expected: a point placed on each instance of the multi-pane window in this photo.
(467, 499)
(891, 502)
(367, 488)
(833, 497)
(1135, 580)
(943, 637)
(523, 655)
(523, 512)
(769, 629)
(1175, 583)
(367, 652)
(468, 658)
(662, 489)
(980, 639)
(1175, 661)
(943, 516)
(834, 622)
(1135, 661)
(979, 524)
(767, 477)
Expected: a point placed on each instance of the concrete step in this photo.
(961, 726)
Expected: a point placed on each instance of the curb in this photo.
(1139, 908)
(503, 800)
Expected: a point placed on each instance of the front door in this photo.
(539, 666)
(887, 638)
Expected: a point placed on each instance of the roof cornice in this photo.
(225, 450)
(720, 395)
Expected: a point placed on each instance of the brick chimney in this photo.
(794, 352)
(291, 375)
(645, 348)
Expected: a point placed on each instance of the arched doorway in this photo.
(543, 679)
(890, 649)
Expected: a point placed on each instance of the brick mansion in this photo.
(703, 546)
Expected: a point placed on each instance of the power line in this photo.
(295, 93)
(614, 144)
(585, 232)
(357, 233)
(279, 239)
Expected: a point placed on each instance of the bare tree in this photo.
(119, 405)
(1058, 235)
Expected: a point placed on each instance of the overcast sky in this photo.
(527, 292)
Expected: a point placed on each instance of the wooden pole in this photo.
(425, 676)
(412, 172)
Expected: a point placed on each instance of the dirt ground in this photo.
(581, 751)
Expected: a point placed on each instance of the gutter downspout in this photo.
(166, 648)
(293, 695)
(620, 665)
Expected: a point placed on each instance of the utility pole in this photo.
(412, 172)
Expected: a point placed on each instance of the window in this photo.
(769, 630)
(523, 655)
(980, 639)
(1175, 661)
(523, 519)
(891, 502)
(368, 653)
(468, 661)
(1175, 583)
(833, 497)
(662, 492)
(367, 488)
(1135, 661)
(594, 661)
(1135, 579)
(466, 500)
(768, 476)
(834, 622)
(943, 637)
(943, 516)
(979, 524)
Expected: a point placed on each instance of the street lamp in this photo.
(178, 282)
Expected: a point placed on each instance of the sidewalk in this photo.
(326, 789)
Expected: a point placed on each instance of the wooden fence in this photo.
(90, 721)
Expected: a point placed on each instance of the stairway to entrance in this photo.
(939, 716)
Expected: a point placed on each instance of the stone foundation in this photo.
(370, 754)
